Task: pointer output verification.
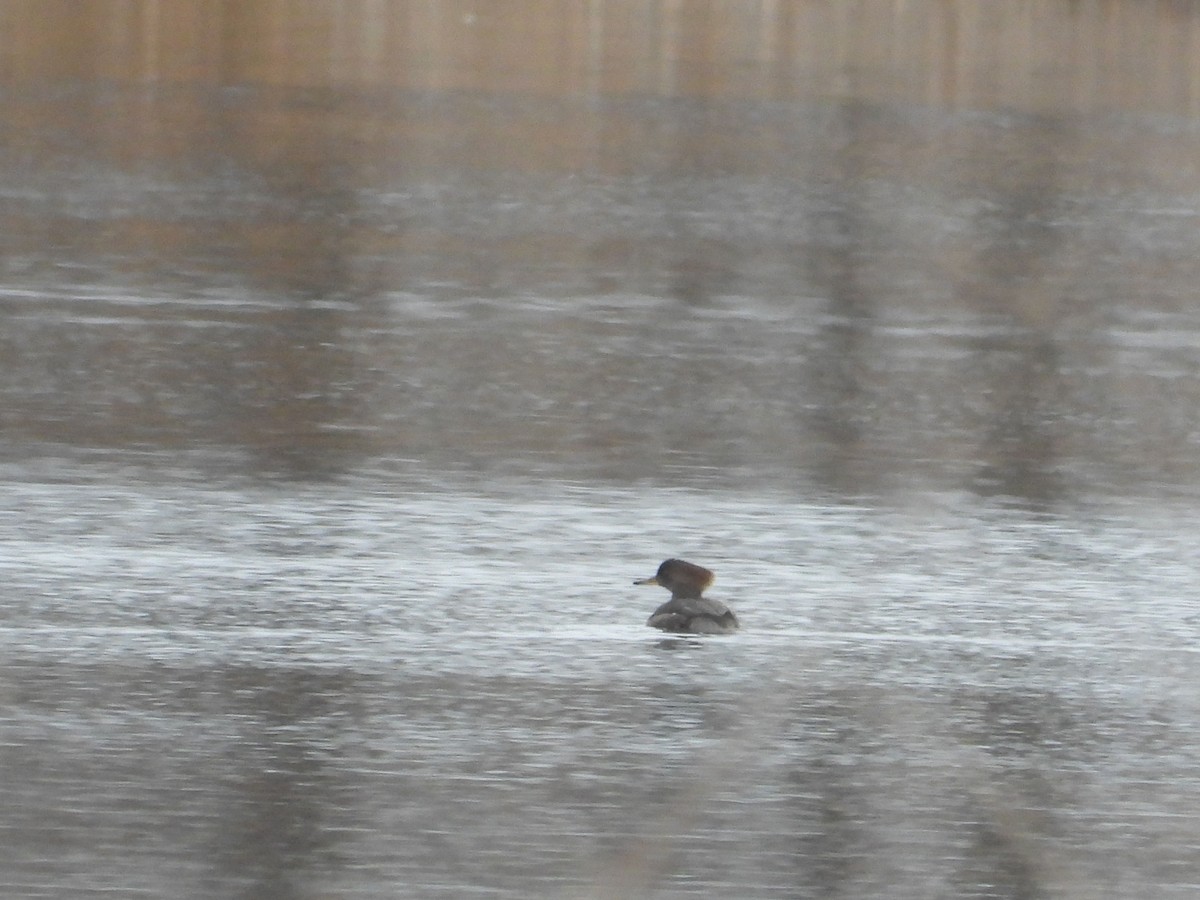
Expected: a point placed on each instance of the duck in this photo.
(688, 612)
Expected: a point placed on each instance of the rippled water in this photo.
(357, 688)
(338, 416)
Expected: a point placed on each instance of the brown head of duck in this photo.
(681, 578)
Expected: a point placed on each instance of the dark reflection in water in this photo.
(1013, 322)
(1020, 452)
(834, 388)
(286, 800)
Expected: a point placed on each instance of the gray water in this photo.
(361, 690)
(336, 423)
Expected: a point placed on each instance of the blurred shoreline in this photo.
(1041, 57)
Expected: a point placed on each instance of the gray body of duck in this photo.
(687, 612)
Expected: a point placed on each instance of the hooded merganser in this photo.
(687, 611)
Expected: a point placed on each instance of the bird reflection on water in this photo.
(679, 643)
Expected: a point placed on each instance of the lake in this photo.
(358, 359)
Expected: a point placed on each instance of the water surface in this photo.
(350, 382)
